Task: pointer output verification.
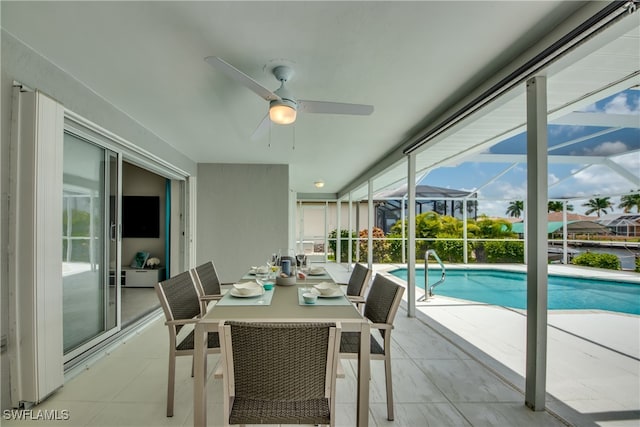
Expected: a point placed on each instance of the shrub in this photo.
(344, 244)
(504, 251)
(395, 248)
(449, 250)
(591, 259)
(637, 264)
(381, 248)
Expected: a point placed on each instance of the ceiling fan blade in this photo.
(323, 107)
(231, 71)
(262, 128)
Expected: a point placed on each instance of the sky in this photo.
(587, 183)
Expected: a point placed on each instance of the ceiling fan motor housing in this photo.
(283, 73)
(286, 98)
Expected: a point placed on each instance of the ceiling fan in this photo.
(283, 106)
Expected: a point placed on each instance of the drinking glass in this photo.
(304, 272)
(301, 258)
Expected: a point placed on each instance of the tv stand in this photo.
(141, 277)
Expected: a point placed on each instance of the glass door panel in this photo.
(89, 240)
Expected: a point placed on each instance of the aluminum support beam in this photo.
(536, 357)
(370, 225)
(465, 233)
(411, 219)
(338, 232)
(350, 241)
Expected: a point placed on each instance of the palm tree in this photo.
(598, 205)
(558, 207)
(515, 209)
(629, 202)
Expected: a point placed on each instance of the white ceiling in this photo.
(408, 59)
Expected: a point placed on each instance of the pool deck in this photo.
(593, 361)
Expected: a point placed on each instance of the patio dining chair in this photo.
(358, 284)
(181, 305)
(380, 308)
(207, 283)
(279, 373)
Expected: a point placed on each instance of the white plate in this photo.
(326, 287)
(235, 293)
(337, 293)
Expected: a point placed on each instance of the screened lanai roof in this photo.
(593, 103)
(620, 220)
(422, 192)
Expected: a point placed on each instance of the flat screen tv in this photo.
(141, 216)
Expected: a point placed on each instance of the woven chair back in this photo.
(358, 280)
(383, 300)
(208, 278)
(182, 301)
(280, 361)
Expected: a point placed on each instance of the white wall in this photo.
(314, 217)
(242, 215)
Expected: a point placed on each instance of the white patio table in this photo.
(283, 306)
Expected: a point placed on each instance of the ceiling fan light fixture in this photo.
(282, 112)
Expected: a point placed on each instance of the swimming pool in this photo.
(508, 289)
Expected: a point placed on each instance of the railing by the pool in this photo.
(428, 290)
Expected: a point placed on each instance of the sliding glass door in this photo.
(90, 242)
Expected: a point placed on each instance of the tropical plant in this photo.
(557, 206)
(597, 260)
(630, 201)
(380, 245)
(487, 228)
(598, 205)
(515, 209)
(445, 236)
(344, 244)
(504, 251)
(493, 228)
(451, 249)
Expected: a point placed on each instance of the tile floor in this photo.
(444, 375)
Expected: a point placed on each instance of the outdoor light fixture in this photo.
(319, 184)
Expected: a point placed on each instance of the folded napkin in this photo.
(247, 288)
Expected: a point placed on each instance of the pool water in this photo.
(509, 289)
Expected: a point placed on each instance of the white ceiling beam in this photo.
(495, 177)
(522, 158)
(599, 119)
(584, 138)
(624, 172)
(574, 173)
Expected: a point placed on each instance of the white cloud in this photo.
(619, 105)
(552, 179)
(597, 179)
(607, 148)
(492, 208)
(591, 108)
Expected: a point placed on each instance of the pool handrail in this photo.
(428, 290)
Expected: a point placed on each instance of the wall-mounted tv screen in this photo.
(141, 216)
